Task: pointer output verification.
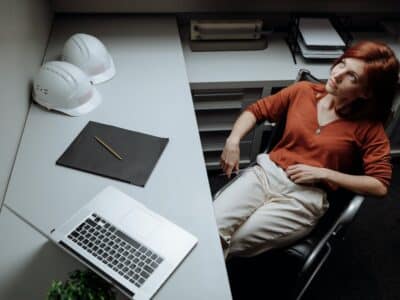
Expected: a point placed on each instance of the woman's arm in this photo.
(361, 184)
(231, 153)
(269, 108)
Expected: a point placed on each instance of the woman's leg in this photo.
(238, 201)
(289, 212)
(261, 211)
(278, 223)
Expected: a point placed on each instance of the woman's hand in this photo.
(230, 156)
(304, 174)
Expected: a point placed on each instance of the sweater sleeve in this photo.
(271, 107)
(375, 149)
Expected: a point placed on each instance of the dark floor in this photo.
(366, 265)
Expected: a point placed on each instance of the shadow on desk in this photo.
(31, 279)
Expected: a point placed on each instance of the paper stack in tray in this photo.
(318, 39)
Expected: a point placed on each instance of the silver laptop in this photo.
(124, 242)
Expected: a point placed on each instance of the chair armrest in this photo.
(345, 218)
(349, 213)
(305, 75)
(216, 195)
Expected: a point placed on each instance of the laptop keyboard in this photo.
(124, 255)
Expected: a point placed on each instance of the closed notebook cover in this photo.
(139, 152)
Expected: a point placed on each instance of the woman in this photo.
(328, 128)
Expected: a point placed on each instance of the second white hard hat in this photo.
(89, 54)
(64, 87)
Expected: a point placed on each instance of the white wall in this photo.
(24, 29)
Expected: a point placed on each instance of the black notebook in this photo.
(139, 153)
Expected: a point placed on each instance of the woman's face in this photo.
(347, 80)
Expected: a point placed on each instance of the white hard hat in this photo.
(88, 53)
(64, 87)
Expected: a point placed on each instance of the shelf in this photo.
(215, 165)
(218, 105)
(213, 147)
(216, 119)
(223, 94)
(219, 137)
(245, 147)
(216, 112)
(212, 157)
(215, 127)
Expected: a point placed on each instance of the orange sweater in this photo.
(339, 143)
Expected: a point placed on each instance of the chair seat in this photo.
(299, 262)
(299, 254)
(285, 275)
(316, 242)
(301, 250)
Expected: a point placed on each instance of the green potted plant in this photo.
(81, 285)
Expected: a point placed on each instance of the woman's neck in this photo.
(331, 102)
(328, 102)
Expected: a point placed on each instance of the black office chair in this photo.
(300, 262)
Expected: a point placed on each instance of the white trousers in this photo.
(263, 209)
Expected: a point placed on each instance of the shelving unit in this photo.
(216, 111)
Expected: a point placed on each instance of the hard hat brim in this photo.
(84, 108)
(106, 75)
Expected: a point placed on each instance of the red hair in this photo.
(382, 73)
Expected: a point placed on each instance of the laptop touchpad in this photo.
(140, 223)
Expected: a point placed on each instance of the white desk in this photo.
(29, 262)
(151, 94)
(247, 69)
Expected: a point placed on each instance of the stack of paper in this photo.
(319, 39)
